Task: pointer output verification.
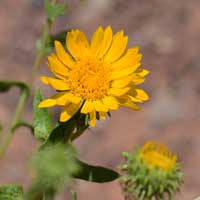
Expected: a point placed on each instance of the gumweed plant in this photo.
(91, 78)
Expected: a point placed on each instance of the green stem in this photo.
(24, 124)
(40, 53)
(18, 113)
(24, 97)
(74, 196)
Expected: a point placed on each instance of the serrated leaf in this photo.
(5, 86)
(95, 173)
(54, 10)
(43, 123)
(11, 192)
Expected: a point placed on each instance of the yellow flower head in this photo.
(95, 77)
(157, 155)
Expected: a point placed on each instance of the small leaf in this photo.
(95, 173)
(43, 123)
(11, 192)
(54, 10)
(5, 86)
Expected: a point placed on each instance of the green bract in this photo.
(142, 182)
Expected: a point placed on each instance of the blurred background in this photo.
(168, 33)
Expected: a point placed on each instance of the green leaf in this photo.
(43, 123)
(11, 192)
(5, 86)
(95, 173)
(54, 10)
(68, 131)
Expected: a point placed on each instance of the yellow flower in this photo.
(157, 155)
(95, 77)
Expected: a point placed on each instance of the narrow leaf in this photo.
(95, 173)
(43, 123)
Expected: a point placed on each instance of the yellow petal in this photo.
(119, 74)
(130, 59)
(69, 111)
(47, 103)
(125, 101)
(73, 98)
(57, 84)
(62, 55)
(106, 42)
(93, 118)
(77, 43)
(97, 40)
(123, 82)
(63, 100)
(141, 94)
(69, 97)
(111, 102)
(131, 105)
(137, 79)
(52, 101)
(99, 106)
(88, 107)
(57, 67)
(117, 48)
(134, 99)
(118, 91)
(102, 115)
(142, 72)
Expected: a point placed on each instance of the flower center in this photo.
(89, 79)
(157, 155)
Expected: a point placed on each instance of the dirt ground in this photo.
(168, 33)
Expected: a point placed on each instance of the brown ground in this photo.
(168, 33)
